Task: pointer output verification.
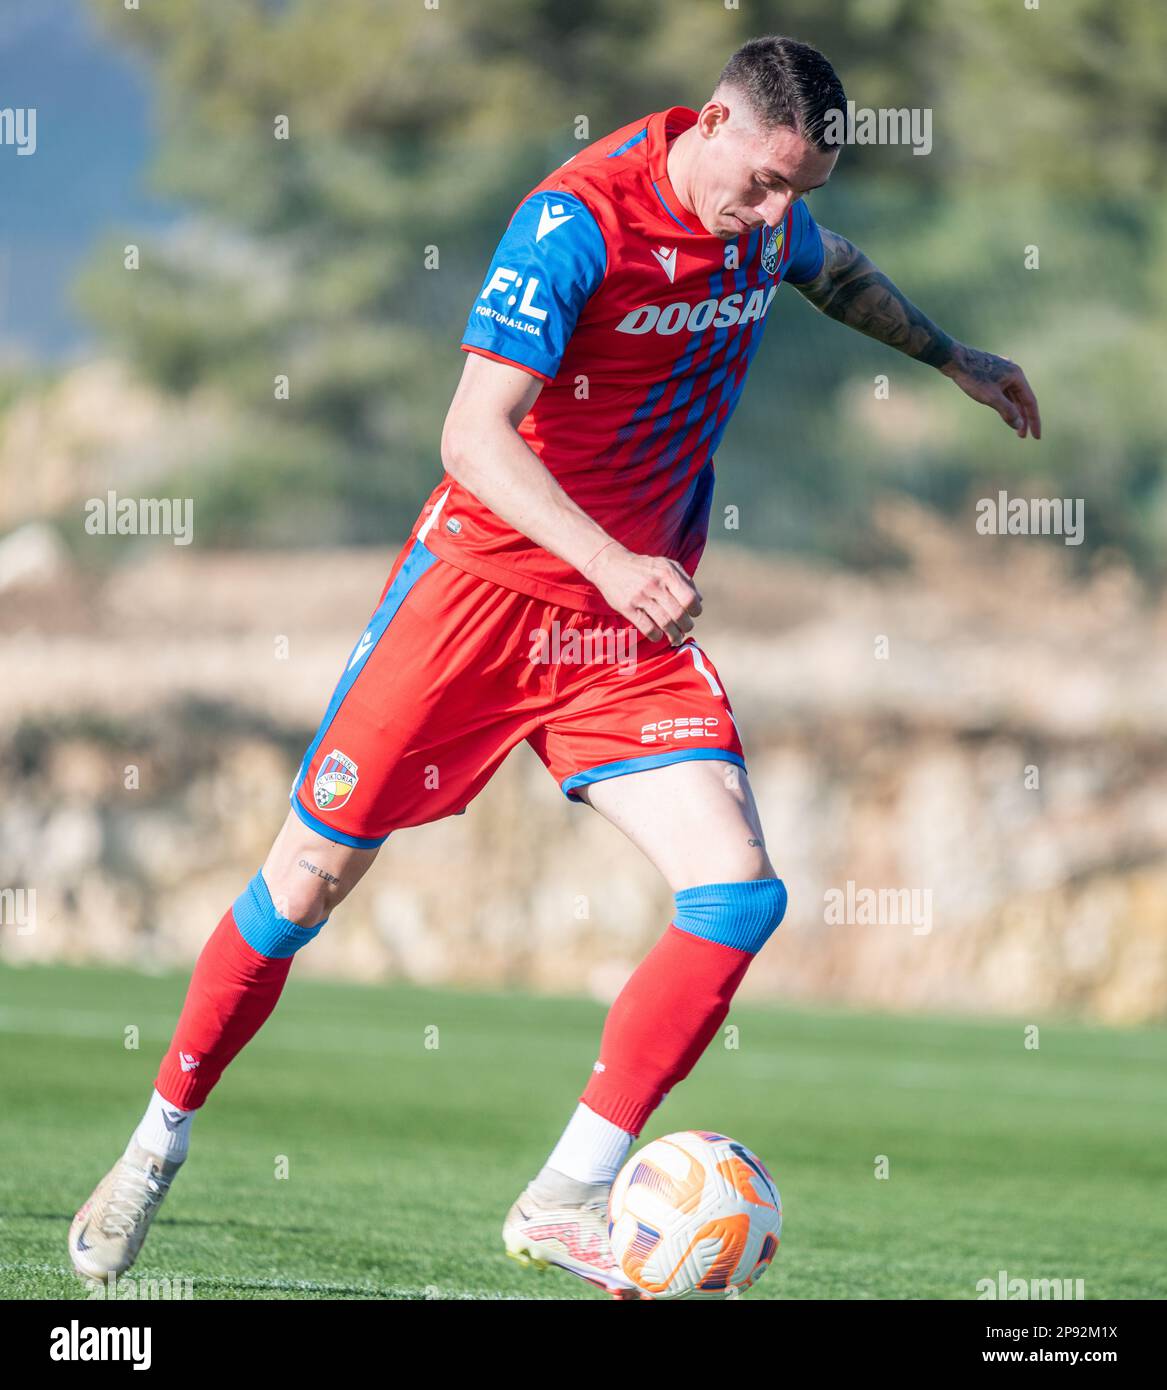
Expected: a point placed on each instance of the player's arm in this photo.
(852, 290)
(550, 261)
(483, 450)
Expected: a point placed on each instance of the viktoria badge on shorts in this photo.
(772, 249)
(334, 782)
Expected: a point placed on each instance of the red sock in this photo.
(662, 1021)
(231, 994)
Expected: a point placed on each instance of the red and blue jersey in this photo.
(642, 326)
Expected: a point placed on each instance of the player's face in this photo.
(746, 176)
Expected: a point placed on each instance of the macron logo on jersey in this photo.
(550, 218)
(363, 648)
(667, 260)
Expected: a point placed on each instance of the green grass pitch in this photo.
(402, 1158)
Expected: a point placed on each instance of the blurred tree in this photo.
(414, 129)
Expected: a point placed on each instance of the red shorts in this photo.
(453, 671)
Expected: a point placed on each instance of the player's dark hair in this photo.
(787, 83)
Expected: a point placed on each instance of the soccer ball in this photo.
(694, 1215)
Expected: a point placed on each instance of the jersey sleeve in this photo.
(807, 253)
(549, 263)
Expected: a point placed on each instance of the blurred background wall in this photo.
(926, 708)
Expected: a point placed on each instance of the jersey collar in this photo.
(662, 128)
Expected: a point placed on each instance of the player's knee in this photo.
(740, 915)
(268, 922)
(308, 876)
(299, 898)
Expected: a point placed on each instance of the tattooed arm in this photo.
(852, 290)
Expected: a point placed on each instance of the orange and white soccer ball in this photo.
(694, 1215)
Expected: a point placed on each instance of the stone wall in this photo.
(979, 729)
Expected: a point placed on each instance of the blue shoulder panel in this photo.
(806, 259)
(548, 264)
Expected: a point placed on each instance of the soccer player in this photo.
(605, 355)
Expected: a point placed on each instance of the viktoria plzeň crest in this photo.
(334, 782)
(772, 249)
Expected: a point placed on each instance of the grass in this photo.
(402, 1158)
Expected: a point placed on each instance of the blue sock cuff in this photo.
(262, 927)
(740, 915)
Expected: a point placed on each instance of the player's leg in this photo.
(694, 820)
(698, 823)
(237, 981)
(243, 967)
(238, 977)
(399, 712)
(666, 768)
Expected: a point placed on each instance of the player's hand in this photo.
(655, 594)
(996, 382)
